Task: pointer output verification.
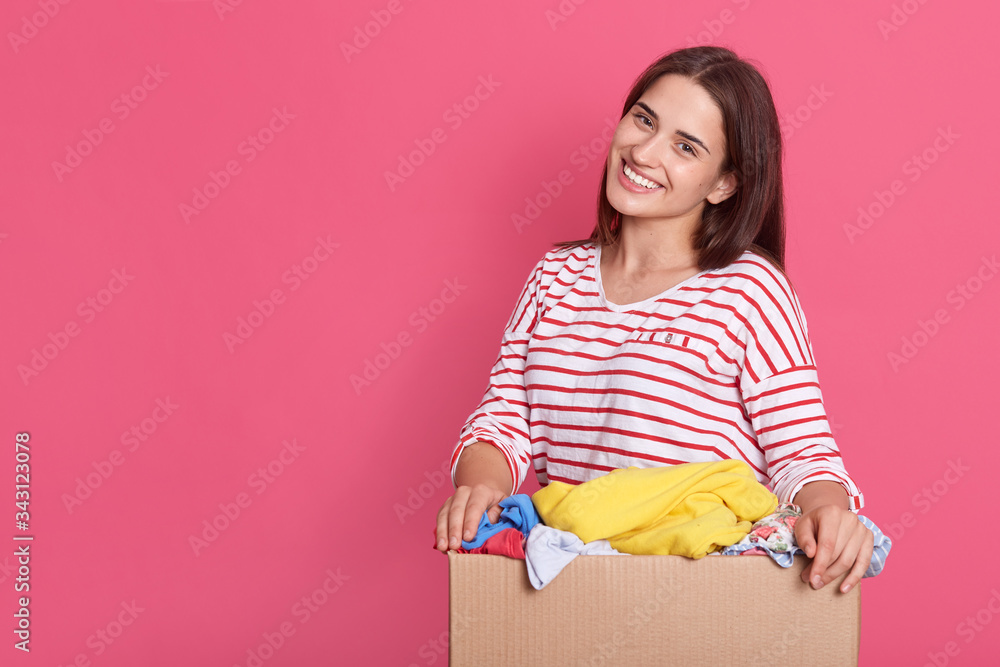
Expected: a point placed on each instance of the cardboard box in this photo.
(648, 610)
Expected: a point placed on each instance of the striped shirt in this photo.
(718, 366)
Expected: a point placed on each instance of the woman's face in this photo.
(673, 138)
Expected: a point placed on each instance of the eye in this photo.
(643, 119)
(688, 148)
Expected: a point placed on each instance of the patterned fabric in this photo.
(774, 536)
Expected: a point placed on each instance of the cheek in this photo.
(618, 139)
(702, 177)
(689, 174)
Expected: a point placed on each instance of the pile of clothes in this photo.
(691, 509)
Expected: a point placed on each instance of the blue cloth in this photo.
(785, 558)
(882, 546)
(518, 512)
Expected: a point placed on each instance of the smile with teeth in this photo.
(639, 180)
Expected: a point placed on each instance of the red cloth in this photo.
(508, 542)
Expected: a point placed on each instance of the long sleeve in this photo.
(779, 383)
(501, 418)
(786, 410)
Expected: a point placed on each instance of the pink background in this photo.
(862, 96)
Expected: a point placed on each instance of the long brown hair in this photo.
(754, 216)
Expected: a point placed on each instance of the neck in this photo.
(654, 245)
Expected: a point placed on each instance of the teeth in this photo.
(636, 178)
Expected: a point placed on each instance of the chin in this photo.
(620, 202)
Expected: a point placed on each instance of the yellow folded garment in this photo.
(688, 509)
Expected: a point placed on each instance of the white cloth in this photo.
(549, 550)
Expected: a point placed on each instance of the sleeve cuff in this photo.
(787, 488)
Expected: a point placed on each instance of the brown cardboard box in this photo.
(648, 610)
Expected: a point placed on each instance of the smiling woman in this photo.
(672, 334)
(718, 112)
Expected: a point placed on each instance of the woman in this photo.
(671, 334)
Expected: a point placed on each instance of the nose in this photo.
(648, 152)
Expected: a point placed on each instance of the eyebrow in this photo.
(686, 135)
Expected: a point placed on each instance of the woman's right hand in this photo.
(483, 480)
(459, 517)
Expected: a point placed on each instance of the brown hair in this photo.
(753, 216)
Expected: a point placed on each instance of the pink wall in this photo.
(223, 253)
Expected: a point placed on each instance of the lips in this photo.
(633, 181)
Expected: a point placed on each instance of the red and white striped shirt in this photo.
(717, 367)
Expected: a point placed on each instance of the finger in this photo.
(844, 562)
(806, 573)
(861, 563)
(857, 543)
(850, 542)
(847, 543)
(478, 500)
(804, 529)
(826, 551)
(494, 512)
(442, 527)
(456, 516)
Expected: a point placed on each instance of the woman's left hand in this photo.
(837, 542)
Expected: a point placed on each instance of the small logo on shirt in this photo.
(668, 337)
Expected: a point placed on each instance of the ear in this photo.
(724, 189)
